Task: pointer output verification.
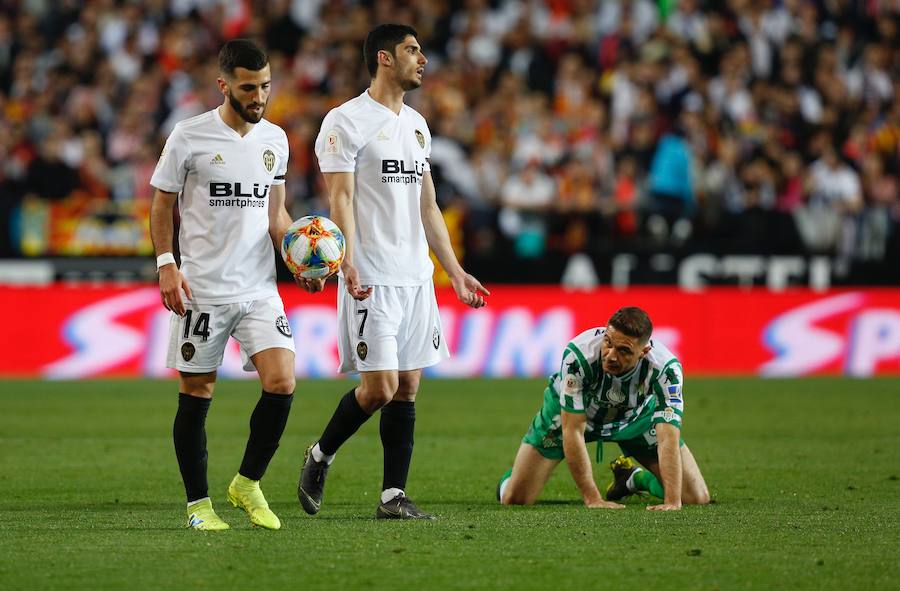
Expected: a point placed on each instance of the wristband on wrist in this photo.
(164, 259)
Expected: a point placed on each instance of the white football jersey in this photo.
(389, 155)
(224, 181)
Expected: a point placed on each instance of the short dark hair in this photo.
(384, 38)
(633, 322)
(241, 53)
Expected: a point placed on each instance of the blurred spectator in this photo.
(671, 189)
(525, 198)
(828, 220)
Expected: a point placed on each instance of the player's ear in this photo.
(646, 348)
(223, 85)
(385, 58)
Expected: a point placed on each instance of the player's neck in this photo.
(233, 120)
(388, 94)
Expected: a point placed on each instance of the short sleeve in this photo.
(172, 167)
(668, 387)
(283, 157)
(573, 373)
(337, 144)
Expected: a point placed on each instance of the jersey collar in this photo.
(627, 375)
(380, 106)
(229, 129)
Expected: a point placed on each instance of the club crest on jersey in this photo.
(362, 349)
(420, 137)
(615, 396)
(269, 160)
(281, 323)
(187, 351)
(436, 338)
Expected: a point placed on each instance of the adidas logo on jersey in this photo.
(382, 136)
(217, 159)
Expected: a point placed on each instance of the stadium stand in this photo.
(764, 127)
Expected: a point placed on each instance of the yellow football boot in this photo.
(200, 515)
(246, 494)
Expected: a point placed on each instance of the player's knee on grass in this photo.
(695, 495)
(511, 494)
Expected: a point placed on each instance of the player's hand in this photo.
(171, 283)
(665, 507)
(351, 280)
(469, 290)
(601, 504)
(309, 285)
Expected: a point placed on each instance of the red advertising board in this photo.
(67, 332)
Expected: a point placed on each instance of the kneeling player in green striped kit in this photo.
(615, 384)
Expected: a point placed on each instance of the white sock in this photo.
(503, 487)
(390, 493)
(629, 484)
(192, 503)
(320, 457)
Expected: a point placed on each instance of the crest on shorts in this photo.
(436, 338)
(362, 349)
(187, 351)
(420, 137)
(283, 326)
(269, 159)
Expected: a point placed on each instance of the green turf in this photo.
(804, 475)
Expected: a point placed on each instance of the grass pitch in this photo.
(804, 475)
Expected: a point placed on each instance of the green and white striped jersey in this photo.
(612, 403)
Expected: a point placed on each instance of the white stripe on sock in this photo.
(390, 493)
(629, 484)
(192, 503)
(320, 457)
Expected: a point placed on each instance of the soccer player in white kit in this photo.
(225, 169)
(373, 151)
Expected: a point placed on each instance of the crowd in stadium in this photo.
(751, 126)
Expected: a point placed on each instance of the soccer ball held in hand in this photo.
(313, 247)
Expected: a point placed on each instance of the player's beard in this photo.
(243, 112)
(411, 83)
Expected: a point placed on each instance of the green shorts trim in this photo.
(638, 439)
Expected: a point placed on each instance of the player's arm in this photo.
(468, 289)
(279, 218)
(340, 186)
(670, 469)
(162, 230)
(579, 461)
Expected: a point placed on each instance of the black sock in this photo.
(347, 418)
(398, 421)
(189, 434)
(266, 426)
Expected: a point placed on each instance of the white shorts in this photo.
(394, 328)
(197, 340)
